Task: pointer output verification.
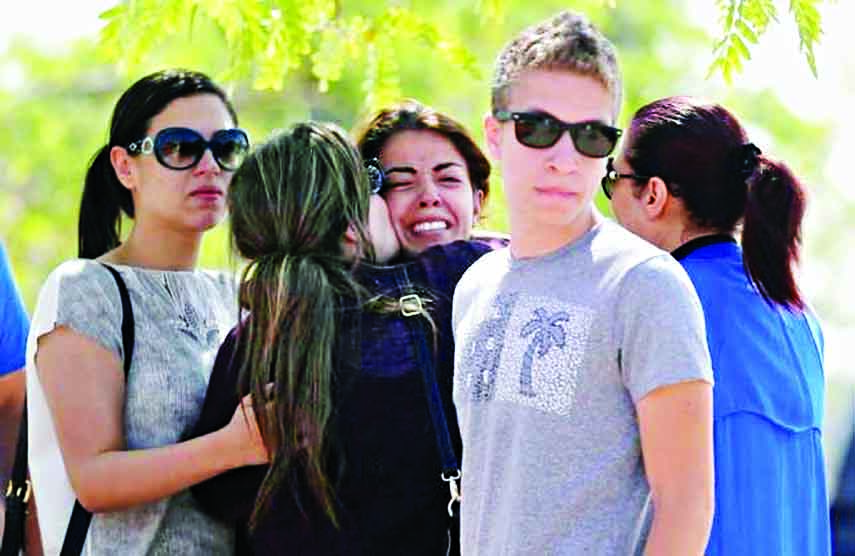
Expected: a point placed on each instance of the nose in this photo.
(207, 164)
(429, 194)
(563, 156)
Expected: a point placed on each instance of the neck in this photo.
(674, 239)
(534, 239)
(158, 248)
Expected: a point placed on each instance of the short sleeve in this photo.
(660, 328)
(83, 296)
(13, 332)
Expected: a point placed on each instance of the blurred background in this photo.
(62, 68)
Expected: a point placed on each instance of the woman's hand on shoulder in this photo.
(244, 432)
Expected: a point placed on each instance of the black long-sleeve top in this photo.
(386, 466)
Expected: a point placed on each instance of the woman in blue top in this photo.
(688, 180)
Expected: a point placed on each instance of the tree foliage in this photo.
(268, 40)
(745, 21)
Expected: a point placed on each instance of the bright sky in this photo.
(67, 20)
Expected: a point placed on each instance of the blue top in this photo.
(770, 492)
(13, 332)
(386, 465)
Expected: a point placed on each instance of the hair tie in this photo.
(748, 154)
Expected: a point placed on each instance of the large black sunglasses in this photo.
(539, 130)
(376, 175)
(180, 148)
(612, 176)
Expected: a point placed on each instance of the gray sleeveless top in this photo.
(180, 319)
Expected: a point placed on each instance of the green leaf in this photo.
(746, 31)
(810, 29)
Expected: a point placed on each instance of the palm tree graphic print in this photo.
(546, 333)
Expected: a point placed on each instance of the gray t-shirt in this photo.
(180, 319)
(552, 355)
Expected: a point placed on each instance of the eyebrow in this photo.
(444, 165)
(411, 170)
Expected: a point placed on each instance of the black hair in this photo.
(104, 197)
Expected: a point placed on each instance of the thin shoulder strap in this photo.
(127, 320)
(78, 525)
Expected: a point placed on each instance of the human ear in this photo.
(655, 197)
(123, 166)
(477, 200)
(492, 132)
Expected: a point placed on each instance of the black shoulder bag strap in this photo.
(78, 525)
(412, 306)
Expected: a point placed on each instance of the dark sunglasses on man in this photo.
(540, 130)
(180, 148)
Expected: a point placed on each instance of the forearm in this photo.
(681, 525)
(118, 480)
(676, 442)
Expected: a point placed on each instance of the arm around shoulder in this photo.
(76, 356)
(84, 388)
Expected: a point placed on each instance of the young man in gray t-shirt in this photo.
(582, 376)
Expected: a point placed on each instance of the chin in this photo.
(206, 223)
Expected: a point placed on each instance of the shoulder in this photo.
(494, 240)
(81, 294)
(457, 252)
(448, 262)
(613, 245)
(488, 269)
(220, 279)
(659, 277)
(79, 278)
(5, 271)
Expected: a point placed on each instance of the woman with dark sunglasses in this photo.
(351, 355)
(689, 181)
(101, 441)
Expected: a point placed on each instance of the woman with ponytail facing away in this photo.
(336, 344)
(690, 181)
(107, 416)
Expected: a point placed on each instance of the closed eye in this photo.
(398, 184)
